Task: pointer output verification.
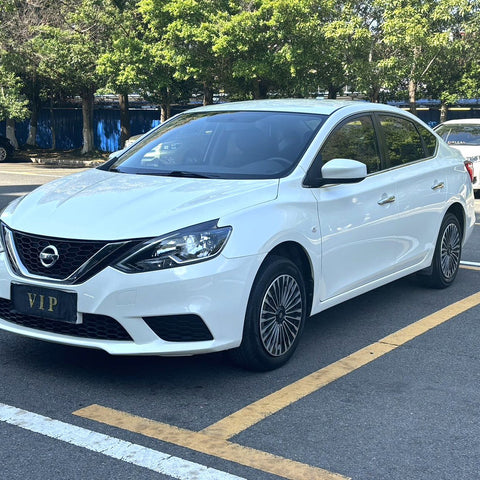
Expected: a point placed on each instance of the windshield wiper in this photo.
(174, 173)
(184, 173)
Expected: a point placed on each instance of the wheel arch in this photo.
(297, 254)
(458, 210)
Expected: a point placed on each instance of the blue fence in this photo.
(67, 123)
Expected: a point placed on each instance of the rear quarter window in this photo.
(429, 140)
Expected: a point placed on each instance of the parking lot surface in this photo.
(384, 386)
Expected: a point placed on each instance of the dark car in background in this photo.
(6, 149)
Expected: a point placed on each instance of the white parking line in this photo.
(470, 264)
(110, 446)
(32, 174)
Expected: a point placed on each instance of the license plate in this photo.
(45, 303)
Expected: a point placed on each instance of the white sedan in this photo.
(228, 226)
(464, 135)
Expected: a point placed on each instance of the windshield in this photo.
(223, 145)
(460, 134)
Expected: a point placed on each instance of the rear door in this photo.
(420, 180)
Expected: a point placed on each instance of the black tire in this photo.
(448, 251)
(3, 154)
(275, 317)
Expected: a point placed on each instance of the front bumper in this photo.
(216, 291)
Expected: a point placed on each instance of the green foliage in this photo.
(168, 50)
(12, 103)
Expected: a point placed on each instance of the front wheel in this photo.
(276, 313)
(448, 250)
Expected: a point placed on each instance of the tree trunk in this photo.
(375, 94)
(52, 126)
(32, 130)
(260, 89)
(332, 92)
(207, 94)
(124, 118)
(412, 96)
(87, 113)
(165, 104)
(10, 132)
(35, 105)
(443, 112)
(165, 111)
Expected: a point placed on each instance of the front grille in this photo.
(72, 254)
(179, 328)
(95, 327)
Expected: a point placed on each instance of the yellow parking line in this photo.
(470, 267)
(257, 411)
(201, 442)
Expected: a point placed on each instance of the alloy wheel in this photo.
(450, 251)
(281, 315)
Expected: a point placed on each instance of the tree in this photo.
(158, 80)
(13, 105)
(118, 65)
(20, 20)
(189, 37)
(418, 33)
(68, 53)
(268, 46)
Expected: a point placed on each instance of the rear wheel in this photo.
(448, 250)
(275, 317)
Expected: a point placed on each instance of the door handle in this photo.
(438, 186)
(385, 200)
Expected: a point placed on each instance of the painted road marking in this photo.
(214, 440)
(32, 174)
(112, 447)
(208, 444)
(257, 411)
(470, 265)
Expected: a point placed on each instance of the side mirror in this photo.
(337, 171)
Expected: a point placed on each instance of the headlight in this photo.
(190, 245)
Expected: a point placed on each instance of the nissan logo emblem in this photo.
(49, 256)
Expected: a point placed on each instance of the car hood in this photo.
(111, 206)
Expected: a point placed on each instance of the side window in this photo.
(402, 140)
(429, 140)
(356, 140)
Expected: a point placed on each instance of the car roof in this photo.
(323, 107)
(462, 121)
